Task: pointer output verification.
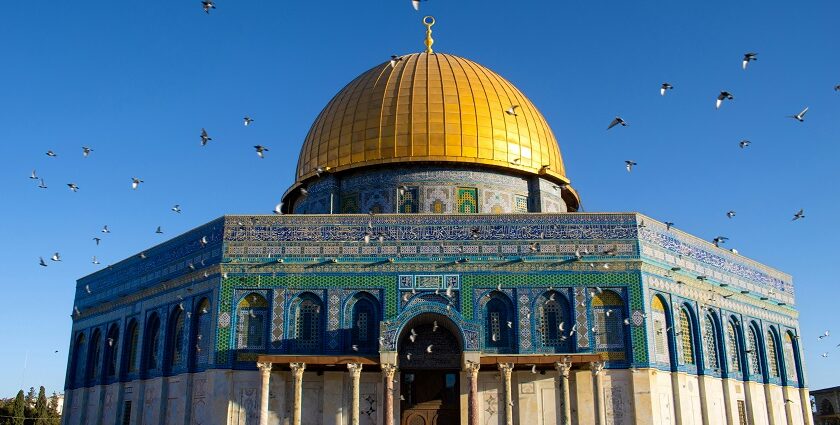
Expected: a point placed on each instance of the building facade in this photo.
(431, 268)
(827, 405)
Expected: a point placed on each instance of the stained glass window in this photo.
(661, 350)
(686, 338)
(202, 333)
(521, 204)
(772, 355)
(176, 338)
(710, 343)
(409, 199)
(733, 349)
(251, 321)
(467, 200)
(608, 314)
(790, 365)
(552, 316)
(499, 312)
(365, 326)
(752, 351)
(131, 346)
(308, 325)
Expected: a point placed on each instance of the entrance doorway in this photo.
(430, 360)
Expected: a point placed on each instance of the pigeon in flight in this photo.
(278, 209)
(800, 116)
(86, 151)
(724, 95)
(97, 240)
(51, 154)
(33, 176)
(629, 165)
(719, 240)
(416, 4)
(159, 230)
(668, 225)
(260, 149)
(824, 354)
(135, 182)
(665, 87)
(205, 137)
(95, 261)
(394, 60)
(799, 214)
(42, 263)
(752, 56)
(247, 120)
(42, 185)
(105, 229)
(825, 334)
(616, 121)
(176, 208)
(429, 348)
(744, 143)
(730, 214)
(512, 110)
(207, 5)
(73, 187)
(56, 257)
(837, 87)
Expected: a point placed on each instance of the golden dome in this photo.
(431, 108)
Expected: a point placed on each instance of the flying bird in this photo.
(512, 110)
(629, 165)
(799, 214)
(247, 120)
(724, 95)
(207, 5)
(719, 240)
(825, 334)
(97, 240)
(616, 121)
(434, 326)
(204, 136)
(800, 116)
(837, 87)
(533, 368)
(51, 154)
(730, 214)
(56, 257)
(394, 60)
(42, 262)
(415, 4)
(429, 348)
(665, 87)
(135, 182)
(95, 261)
(73, 187)
(744, 143)
(159, 230)
(260, 149)
(752, 56)
(86, 151)
(278, 209)
(176, 208)
(42, 185)
(105, 229)
(33, 176)
(668, 225)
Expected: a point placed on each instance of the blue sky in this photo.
(137, 81)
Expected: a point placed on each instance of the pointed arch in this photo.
(364, 326)
(734, 348)
(753, 347)
(175, 339)
(94, 364)
(711, 341)
(77, 369)
(498, 313)
(251, 321)
(151, 345)
(608, 315)
(553, 322)
(685, 333)
(111, 350)
(130, 348)
(308, 323)
(771, 349)
(791, 365)
(660, 320)
(201, 335)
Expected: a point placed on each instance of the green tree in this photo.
(18, 409)
(41, 413)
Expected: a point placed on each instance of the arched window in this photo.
(554, 325)
(686, 338)
(252, 319)
(661, 343)
(175, 339)
(201, 332)
(309, 323)
(733, 348)
(111, 348)
(608, 312)
(498, 322)
(752, 351)
(772, 356)
(78, 369)
(94, 357)
(790, 358)
(365, 326)
(132, 338)
(151, 344)
(826, 408)
(710, 343)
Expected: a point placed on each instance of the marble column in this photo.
(472, 374)
(597, 368)
(297, 394)
(805, 404)
(355, 374)
(771, 408)
(506, 369)
(265, 375)
(563, 369)
(388, 371)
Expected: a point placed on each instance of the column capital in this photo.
(472, 369)
(388, 370)
(264, 367)
(355, 369)
(297, 369)
(597, 367)
(563, 368)
(506, 368)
